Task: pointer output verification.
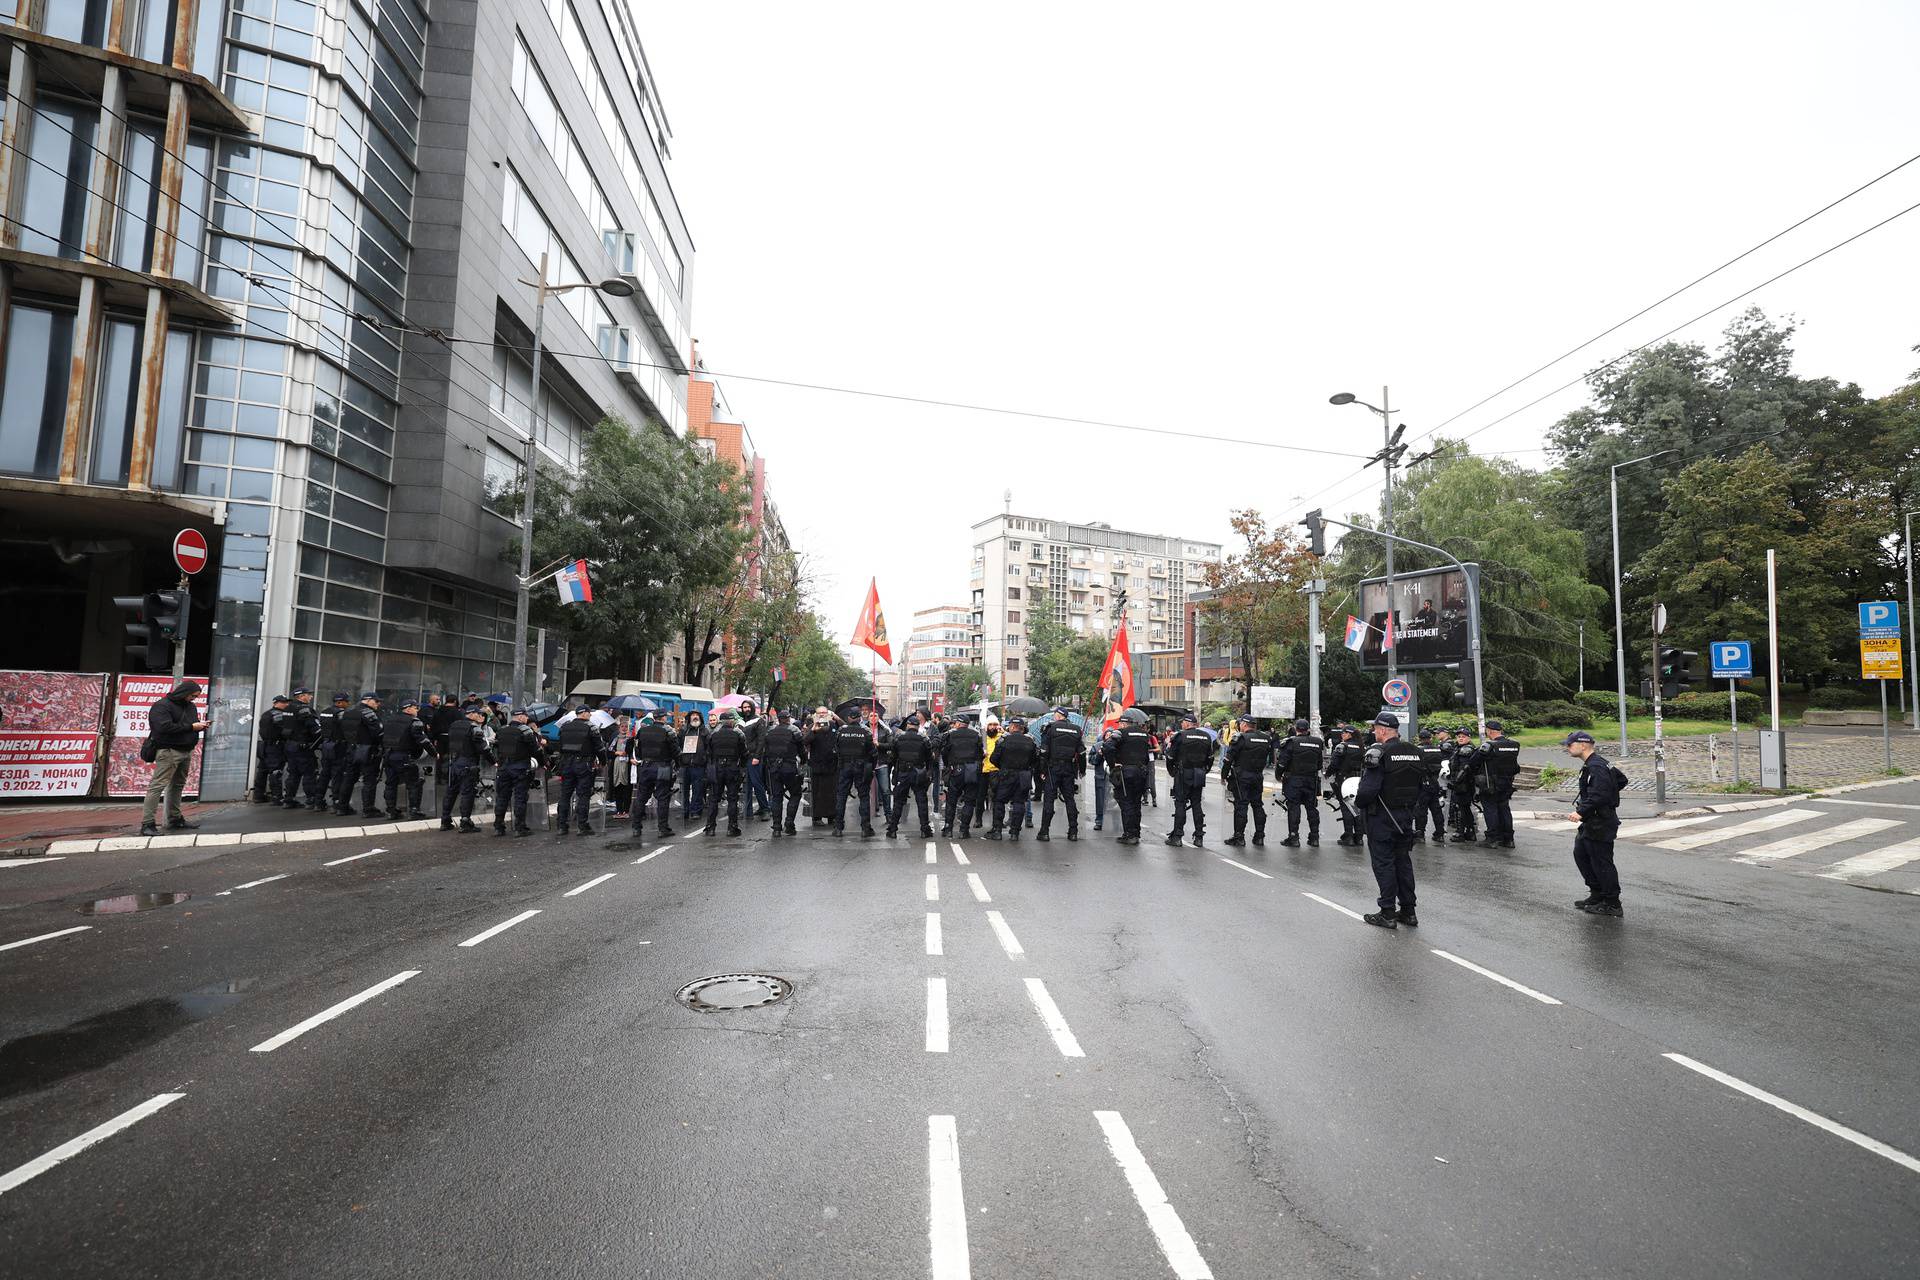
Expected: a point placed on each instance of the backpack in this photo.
(149, 750)
(1620, 779)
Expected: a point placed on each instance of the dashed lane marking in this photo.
(1541, 996)
(1244, 867)
(1008, 943)
(933, 852)
(933, 887)
(352, 857)
(29, 862)
(978, 886)
(502, 927)
(252, 884)
(1326, 902)
(936, 1015)
(327, 1015)
(947, 1205)
(959, 855)
(1171, 1234)
(577, 890)
(73, 1147)
(934, 945)
(57, 933)
(1051, 1016)
(645, 857)
(1814, 1118)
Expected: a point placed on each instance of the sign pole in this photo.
(1659, 748)
(1886, 726)
(1314, 588)
(1733, 713)
(186, 626)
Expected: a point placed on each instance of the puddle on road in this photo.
(33, 1062)
(127, 903)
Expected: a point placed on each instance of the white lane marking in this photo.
(73, 1147)
(656, 853)
(1345, 911)
(1050, 1014)
(1008, 943)
(933, 887)
(1635, 827)
(57, 933)
(1808, 841)
(1542, 997)
(933, 852)
(327, 1015)
(502, 927)
(978, 886)
(28, 862)
(946, 1206)
(936, 1015)
(1868, 804)
(252, 884)
(933, 934)
(1891, 858)
(1753, 826)
(1182, 1254)
(352, 857)
(1814, 1118)
(580, 889)
(959, 855)
(1244, 867)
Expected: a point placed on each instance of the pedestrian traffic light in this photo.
(158, 617)
(1676, 670)
(1316, 532)
(169, 614)
(1463, 688)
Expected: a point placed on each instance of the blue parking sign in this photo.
(1879, 619)
(1732, 659)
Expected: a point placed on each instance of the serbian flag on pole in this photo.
(871, 630)
(1116, 679)
(575, 586)
(1356, 633)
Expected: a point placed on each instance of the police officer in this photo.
(1461, 768)
(272, 755)
(441, 715)
(301, 736)
(963, 749)
(403, 737)
(1389, 792)
(1597, 810)
(465, 751)
(937, 739)
(1346, 760)
(1063, 751)
(1499, 764)
(520, 750)
(1189, 760)
(1014, 759)
(362, 740)
(854, 750)
(1129, 753)
(783, 753)
(334, 751)
(1244, 769)
(911, 755)
(1098, 760)
(1432, 756)
(726, 771)
(581, 750)
(653, 751)
(823, 768)
(1297, 768)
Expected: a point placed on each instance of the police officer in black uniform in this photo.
(581, 749)
(1013, 765)
(783, 754)
(1189, 760)
(1296, 766)
(1346, 760)
(362, 734)
(1063, 752)
(653, 751)
(1597, 810)
(1244, 770)
(963, 749)
(1499, 764)
(403, 737)
(520, 750)
(301, 736)
(910, 754)
(726, 771)
(465, 751)
(823, 768)
(854, 750)
(334, 752)
(272, 755)
(1129, 753)
(1462, 767)
(1389, 792)
(1432, 755)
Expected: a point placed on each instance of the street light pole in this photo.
(1913, 671)
(1619, 619)
(1390, 452)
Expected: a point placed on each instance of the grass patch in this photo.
(1639, 729)
(1552, 775)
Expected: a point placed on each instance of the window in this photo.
(58, 169)
(33, 399)
(1013, 571)
(1013, 664)
(1013, 593)
(1014, 546)
(501, 481)
(1013, 615)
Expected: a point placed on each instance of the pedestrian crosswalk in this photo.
(1805, 839)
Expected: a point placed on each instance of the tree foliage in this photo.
(963, 681)
(1256, 603)
(818, 673)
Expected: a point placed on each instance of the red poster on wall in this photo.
(127, 773)
(49, 732)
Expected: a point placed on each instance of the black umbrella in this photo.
(543, 712)
(853, 706)
(1133, 715)
(1024, 706)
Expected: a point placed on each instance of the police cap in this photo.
(1018, 722)
(410, 702)
(477, 710)
(1425, 734)
(370, 696)
(1247, 720)
(1463, 732)
(519, 713)
(1495, 724)
(1299, 726)
(583, 710)
(281, 697)
(1188, 717)
(303, 692)
(1388, 721)
(342, 697)
(1578, 735)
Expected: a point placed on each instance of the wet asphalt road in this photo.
(1311, 1096)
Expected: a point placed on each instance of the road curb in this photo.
(111, 844)
(1742, 806)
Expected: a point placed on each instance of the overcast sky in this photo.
(1211, 217)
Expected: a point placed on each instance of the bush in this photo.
(1835, 697)
(1511, 715)
(1605, 704)
(1701, 705)
(1558, 715)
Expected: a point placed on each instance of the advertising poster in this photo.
(49, 732)
(127, 773)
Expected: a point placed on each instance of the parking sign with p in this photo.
(1879, 619)
(1732, 659)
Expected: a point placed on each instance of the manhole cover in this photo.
(734, 991)
(130, 902)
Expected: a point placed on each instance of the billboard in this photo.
(1429, 618)
(49, 732)
(127, 773)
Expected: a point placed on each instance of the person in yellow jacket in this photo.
(987, 766)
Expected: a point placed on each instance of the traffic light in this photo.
(169, 613)
(159, 617)
(1463, 688)
(1316, 532)
(1676, 670)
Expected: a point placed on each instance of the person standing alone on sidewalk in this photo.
(174, 727)
(1597, 810)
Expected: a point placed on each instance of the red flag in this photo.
(871, 630)
(1116, 678)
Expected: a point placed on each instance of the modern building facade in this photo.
(941, 638)
(1082, 569)
(268, 271)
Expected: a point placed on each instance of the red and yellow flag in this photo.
(871, 630)
(1116, 679)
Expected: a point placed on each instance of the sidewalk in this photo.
(1815, 758)
(1684, 804)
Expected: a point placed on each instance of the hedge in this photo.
(1840, 698)
(1605, 703)
(1701, 705)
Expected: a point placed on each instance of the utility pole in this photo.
(1387, 456)
(1583, 655)
(1659, 746)
(1315, 588)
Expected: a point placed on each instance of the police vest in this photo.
(1016, 752)
(517, 744)
(1501, 761)
(1402, 773)
(578, 738)
(1249, 753)
(1063, 742)
(911, 751)
(652, 742)
(1132, 748)
(1190, 749)
(852, 744)
(1302, 755)
(782, 745)
(726, 746)
(964, 746)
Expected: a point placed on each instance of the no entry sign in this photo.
(190, 550)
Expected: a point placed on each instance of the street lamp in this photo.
(1913, 674)
(1619, 620)
(613, 288)
(1386, 457)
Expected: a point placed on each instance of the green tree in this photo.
(765, 626)
(818, 673)
(1046, 637)
(1255, 601)
(962, 680)
(1073, 671)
